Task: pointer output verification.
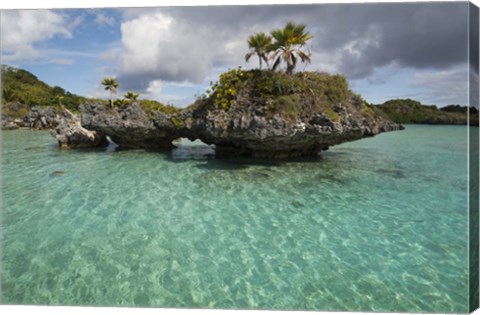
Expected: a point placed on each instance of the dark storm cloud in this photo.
(473, 34)
(357, 38)
(413, 35)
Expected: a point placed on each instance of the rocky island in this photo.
(260, 112)
(257, 113)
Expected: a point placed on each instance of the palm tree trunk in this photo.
(290, 68)
(111, 99)
(260, 61)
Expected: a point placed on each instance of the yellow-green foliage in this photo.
(331, 89)
(119, 102)
(332, 115)
(278, 93)
(290, 95)
(226, 89)
(20, 112)
(150, 106)
(177, 122)
(286, 106)
(368, 110)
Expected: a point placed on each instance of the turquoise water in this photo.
(378, 224)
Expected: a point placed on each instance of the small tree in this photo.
(259, 44)
(131, 96)
(110, 85)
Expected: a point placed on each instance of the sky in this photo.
(171, 54)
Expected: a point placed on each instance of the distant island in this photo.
(407, 111)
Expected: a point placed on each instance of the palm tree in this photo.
(288, 42)
(111, 85)
(131, 96)
(258, 44)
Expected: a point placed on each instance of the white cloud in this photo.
(196, 44)
(22, 29)
(101, 19)
(77, 21)
(154, 90)
(143, 39)
(442, 87)
(158, 45)
(98, 91)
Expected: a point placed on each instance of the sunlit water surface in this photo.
(378, 224)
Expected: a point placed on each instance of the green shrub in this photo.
(224, 91)
(18, 113)
(278, 93)
(286, 106)
(150, 106)
(177, 122)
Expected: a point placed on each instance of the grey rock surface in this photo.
(37, 117)
(243, 130)
(70, 134)
(128, 126)
(240, 130)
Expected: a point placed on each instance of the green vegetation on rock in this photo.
(23, 90)
(14, 110)
(177, 122)
(131, 96)
(150, 106)
(225, 90)
(278, 93)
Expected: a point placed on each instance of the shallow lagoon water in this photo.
(378, 224)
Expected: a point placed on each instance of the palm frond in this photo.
(294, 60)
(303, 56)
(275, 65)
(286, 43)
(259, 44)
(249, 55)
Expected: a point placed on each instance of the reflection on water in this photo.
(192, 150)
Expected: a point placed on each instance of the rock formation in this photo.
(128, 126)
(273, 115)
(70, 134)
(43, 117)
(250, 132)
(256, 113)
(18, 115)
(9, 123)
